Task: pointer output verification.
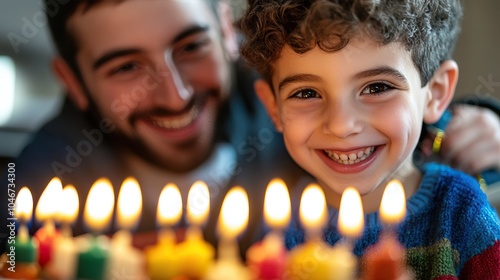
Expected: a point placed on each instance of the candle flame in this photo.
(393, 205)
(24, 205)
(169, 209)
(129, 204)
(69, 206)
(47, 207)
(99, 205)
(312, 209)
(198, 203)
(234, 213)
(351, 218)
(277, 206)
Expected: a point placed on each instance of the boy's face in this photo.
(351, 117)
(158, 71)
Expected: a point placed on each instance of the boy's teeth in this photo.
(179, 122)
(350, 158)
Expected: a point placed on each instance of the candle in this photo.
(161, 259)
(97, 214)
(350, 225)
(196, 256)
(21, 250)
(267, 259)
(311, 260)
(385, 260)
(233, 219)
(63, 262)
(46, 211)
(126, 261)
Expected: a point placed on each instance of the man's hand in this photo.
(472, 141)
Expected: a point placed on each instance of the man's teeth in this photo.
(178, 122)
(350, 158)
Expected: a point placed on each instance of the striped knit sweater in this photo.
(450, 231)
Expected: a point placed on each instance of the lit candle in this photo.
(350, 225)
(311, 260)
(22, 250)
(161, 259)
(97, 215)
(63, 262)
(233, 219)
(126, 261)
(195, 254)
(385, 260)
(46, 211)
(267, 259)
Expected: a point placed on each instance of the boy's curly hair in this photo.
(426, 28)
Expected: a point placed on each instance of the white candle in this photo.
(126, 262)
(233, 219)
(63, 261)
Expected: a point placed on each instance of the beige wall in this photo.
(478, 49)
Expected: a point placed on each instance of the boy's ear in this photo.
(73, 86)
(441, 90)
(266, 96)
(229, 36)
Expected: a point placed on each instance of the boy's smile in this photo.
(351, 117)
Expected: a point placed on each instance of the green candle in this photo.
(92, 262)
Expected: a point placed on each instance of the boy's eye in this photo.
(305, 94)
(376, 88)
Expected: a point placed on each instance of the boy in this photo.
(348, 83)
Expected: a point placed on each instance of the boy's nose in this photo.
(342, 120)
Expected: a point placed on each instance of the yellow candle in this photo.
(161, 259)
(267, 259)
(126, 261)
(195, 255)
(233, 219)
(311, 260)
(63, 262)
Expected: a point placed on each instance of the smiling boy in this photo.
(349, 83)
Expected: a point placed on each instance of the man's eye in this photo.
(197, 45)
(376, 88)
(128, 67)
(305, 94)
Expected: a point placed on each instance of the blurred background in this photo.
(30, 94)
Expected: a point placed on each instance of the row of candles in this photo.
(95, 256)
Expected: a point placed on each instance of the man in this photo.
(155, 92)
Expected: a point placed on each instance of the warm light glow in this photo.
(69, 206)
(24, 205)
(129, 204)
(99, 205)
(351, 217)
(7, 88)
(312, 210)
(393, 205)
(198, 203)
(169, 206)
(47, 207)
(233, 217)
(277, 206)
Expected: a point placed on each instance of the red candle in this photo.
(45, 213)
(385, 260)
(268, 259)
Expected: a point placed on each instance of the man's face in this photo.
(158, 71)
(351, 117)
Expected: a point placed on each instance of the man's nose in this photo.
(173, 92)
